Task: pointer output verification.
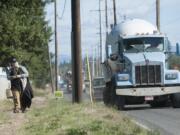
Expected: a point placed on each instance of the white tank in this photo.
(134, 27)
(131, 27)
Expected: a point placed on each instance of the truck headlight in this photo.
(171, 76)
(122, 77)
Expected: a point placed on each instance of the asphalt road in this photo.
(165, 120)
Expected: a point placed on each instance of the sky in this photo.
(142, 9)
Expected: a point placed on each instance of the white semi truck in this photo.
(136, 68)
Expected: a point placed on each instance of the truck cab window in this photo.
(148, 44)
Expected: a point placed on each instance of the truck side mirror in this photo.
(109, 51)
(177, 49)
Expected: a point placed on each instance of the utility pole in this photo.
(93, 74)
(114, 9)
(76, 51)
(100, 32)
(158, 14)
(50, 68)
(106, 17)
(56, 47)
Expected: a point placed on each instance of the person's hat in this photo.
(13, 60)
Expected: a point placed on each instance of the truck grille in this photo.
(148, 75)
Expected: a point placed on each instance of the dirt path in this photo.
(16, 120)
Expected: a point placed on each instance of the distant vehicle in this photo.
(5, 83)
(136, 69)
(62, 84)
(86, 86)
(68, 80)
(98, 88)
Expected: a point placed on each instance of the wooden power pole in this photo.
(114, 8)
(106, 16)
(100, 36)
(50, 68)
(76, 51)
(158, 14)
(56, 47)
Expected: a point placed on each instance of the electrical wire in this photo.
(172, 22)
(64, 8)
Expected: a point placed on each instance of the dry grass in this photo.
(50, 116)
(60, 117)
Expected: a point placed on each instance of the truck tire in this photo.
(120, 102)
(106, 94)
(116, 100)
(113, 95)
(175, 100)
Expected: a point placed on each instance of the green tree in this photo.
(25, 34)
(174, 62)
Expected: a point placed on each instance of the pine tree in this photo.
(25, 34)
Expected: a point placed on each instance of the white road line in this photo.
(141, 125)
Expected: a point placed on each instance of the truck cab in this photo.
(136, 69)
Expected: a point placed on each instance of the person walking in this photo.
(16, 74)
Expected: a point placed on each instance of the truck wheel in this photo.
(113, 95)
(106, 94)
(116, 100)
(175, 100)
(120, 102)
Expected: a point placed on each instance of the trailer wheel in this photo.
(106, 94)
(175, 100)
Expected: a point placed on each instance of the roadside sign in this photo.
(58, 94)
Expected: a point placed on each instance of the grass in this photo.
(4, 106)
(40, 92)
(60, 117)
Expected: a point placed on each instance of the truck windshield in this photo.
(143, 44)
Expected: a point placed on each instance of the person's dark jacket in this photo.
(20, 72)
(26, 96)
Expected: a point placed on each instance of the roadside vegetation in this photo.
(4, 107)
(60, 117)
(25, 34)
(51, 116)
(174, 62)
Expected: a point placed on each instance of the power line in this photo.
(64, 8)
(140, 5)
(172, 22)
(137, 7)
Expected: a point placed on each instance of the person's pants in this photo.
(16, 99)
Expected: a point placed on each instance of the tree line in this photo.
(25, 34)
